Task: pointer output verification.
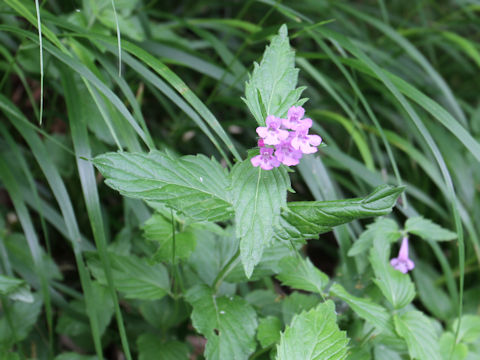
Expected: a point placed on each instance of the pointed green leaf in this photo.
(271, 89)
(23, 316)
(395, 286)
(307, 219)
(258, 196)
(384, 227)
(451, 350)
(375, 314)
(193, 185)
(301, 274)
(313, 335)
(228, 323)
(134, 276)
(427, 229)
(419, 334)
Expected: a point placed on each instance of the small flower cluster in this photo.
(403, 263)
(289, 137)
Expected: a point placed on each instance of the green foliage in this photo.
(257, 198)
(271, 89)
(313, 335)
(419, 334)
(193, 185)
(198, 254)
(395, 286)
(228, 323)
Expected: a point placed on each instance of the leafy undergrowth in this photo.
(168, 192)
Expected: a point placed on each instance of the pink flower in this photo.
(266, 160)
(286, 154)
(403, 263)
(272, 134)
(295, 113)
(305, 142)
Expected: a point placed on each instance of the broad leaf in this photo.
(152, 347)
(427, 229)
(384, 227)
(313, 335)
(375, 314)
(307, 219)
(134, 276)
(193, 185)
(271, 89)
(301, 274)
(258, 196)
(395, 286)
(228, 323)
(419, 334)
(159, 229)
(268, 332)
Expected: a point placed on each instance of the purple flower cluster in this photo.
(289, 138)
(403, 263)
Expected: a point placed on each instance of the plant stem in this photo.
(226, 270)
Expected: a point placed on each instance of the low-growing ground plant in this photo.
(168, 192)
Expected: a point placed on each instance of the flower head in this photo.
(294, 116)
(272, 134)
(403, 263)
(303, 141)
(266, 160)
(286, 154)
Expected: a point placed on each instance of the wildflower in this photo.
(294, 116)
(266, 160)
(272, 134)
(305, 142)
(403, 263)
(286, 154)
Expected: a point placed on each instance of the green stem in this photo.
(226, 270)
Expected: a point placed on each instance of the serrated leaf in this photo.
(307, 219)
(313, 335)
(152, 347)
(159, 229)
(469, 328)
(268, 332)
(301, 274)
(419, 334)
(271, 87)
(134, 276)
(384, 227)
(427, 229)
(193, 185)
(258, 196)
(395, 286)
(228, 323)
(375, 314)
